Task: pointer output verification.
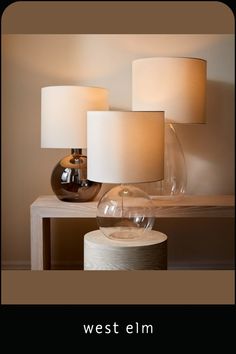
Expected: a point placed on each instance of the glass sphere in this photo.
(125, 213)
(69, 179)
(175, 174)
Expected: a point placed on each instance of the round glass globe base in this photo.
(125, 213)
(173, 186)
(69, 179)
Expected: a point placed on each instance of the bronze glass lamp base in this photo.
(69, 179)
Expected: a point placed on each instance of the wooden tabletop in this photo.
(184, 206)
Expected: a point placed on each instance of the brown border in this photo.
(31, 17)
(137, 287)
(118, 287)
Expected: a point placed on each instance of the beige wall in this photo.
(32, 61)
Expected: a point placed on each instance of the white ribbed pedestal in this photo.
(101, 253)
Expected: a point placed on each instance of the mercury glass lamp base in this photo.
(69, 179)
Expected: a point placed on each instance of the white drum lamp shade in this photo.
(63, 114)
(125, 147)
(171, 84)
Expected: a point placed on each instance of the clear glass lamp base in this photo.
(125, 213)
(69, 179)
(175, 175)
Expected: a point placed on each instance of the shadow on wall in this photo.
(198, 243)
(209, 148)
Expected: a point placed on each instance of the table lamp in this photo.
(63, 125)
(124, 148)
(176, 85)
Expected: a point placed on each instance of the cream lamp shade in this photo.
(63, 114)
(174, 85)
(125, 147)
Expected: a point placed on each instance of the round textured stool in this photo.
(102, 253)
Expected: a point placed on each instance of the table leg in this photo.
(40, 242)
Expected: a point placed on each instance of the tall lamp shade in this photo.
(64, 125)
(63, 114)
(125, 147)
(174, 85)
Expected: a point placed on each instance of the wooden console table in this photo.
(46, 207)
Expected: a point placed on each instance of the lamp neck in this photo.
(76, 151)
(77, 157)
